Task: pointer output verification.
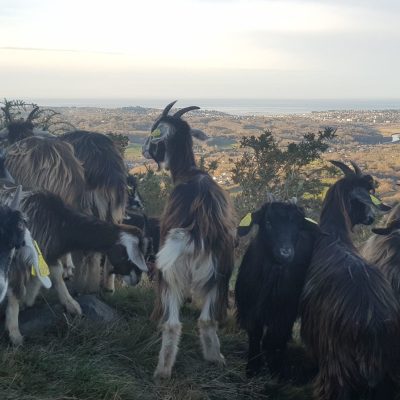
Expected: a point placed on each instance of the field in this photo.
(83, 360)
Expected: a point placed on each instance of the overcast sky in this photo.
(199, 48)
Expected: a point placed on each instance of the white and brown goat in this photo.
(197, 240)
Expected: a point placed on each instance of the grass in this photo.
(83, 360)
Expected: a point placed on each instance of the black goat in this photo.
(271, 279)
(59, 230)
(197, 240)
(349, 313)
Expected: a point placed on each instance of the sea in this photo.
(234, 106)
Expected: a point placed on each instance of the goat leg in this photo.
(56, 274)
(255, 357)
(208, 330)
(12, 314)
(171, 333)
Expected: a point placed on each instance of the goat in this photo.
(197, 240)
(105, 176)
(20, 129)
(382, 249)
(135, 215)
(270, 280)
(59, 229)
(14, 238)
(349, 313)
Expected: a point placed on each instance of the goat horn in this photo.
(357, 169)
(168, 108)
(345, 169)
(16, 201)
(182, 111)
(32, 113)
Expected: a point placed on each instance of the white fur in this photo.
(131, 244)
(181, 268)
(28, 253)
(185, 271)
(3, 286)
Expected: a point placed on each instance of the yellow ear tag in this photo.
(156, 133)
(246, 220)
(311, 220)
(375, 200)
(42, 272)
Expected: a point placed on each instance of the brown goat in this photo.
(350, 315)
(197, 241)
(383, 249)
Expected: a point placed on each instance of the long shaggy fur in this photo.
(105, 173)
(48, 164)
(350, 316)
(204, 211)
(384, 251)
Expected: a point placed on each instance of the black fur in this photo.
(269, 284)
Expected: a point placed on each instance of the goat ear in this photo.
(198, 134)
(248, 221)
(16, 201)
(131, 244)
(381, 231)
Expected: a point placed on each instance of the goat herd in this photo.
(69, 197)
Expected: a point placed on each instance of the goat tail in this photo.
(224, 273)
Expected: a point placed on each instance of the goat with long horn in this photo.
(197, 240)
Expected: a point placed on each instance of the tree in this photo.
(289, 171)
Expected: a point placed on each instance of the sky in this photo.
(199, 49)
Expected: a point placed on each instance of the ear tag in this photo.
(246, 220)
(311, 220)
(375, 200)
(42, 270)
(156, 133)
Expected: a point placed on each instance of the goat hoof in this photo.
(162, 373)
(16, 339)
(73, 307)
(218, 359)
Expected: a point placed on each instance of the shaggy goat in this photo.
(197, 240)
(59, 230)
(105, 176)
(271, 279)
(350, 315)
(383, 249)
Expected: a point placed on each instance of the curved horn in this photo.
(32, 113)
(182, 111)
(357, 169)
(168, 108)
(345, 169)
(16, 201)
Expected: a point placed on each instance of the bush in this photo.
(285, 172)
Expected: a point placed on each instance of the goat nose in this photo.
(286, 251)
